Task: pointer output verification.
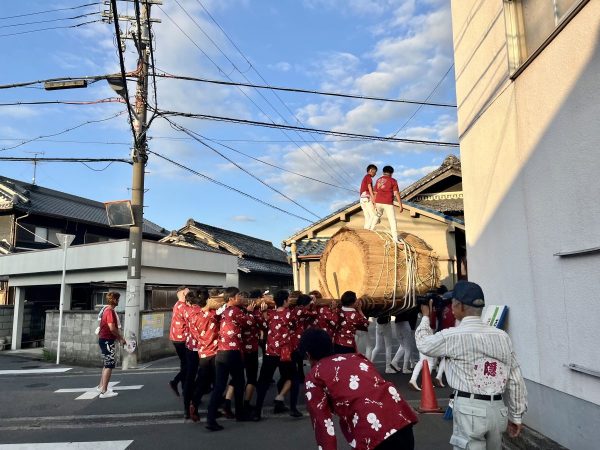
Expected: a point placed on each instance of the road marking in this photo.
(92, 393)
(28, 371)
(99, 445)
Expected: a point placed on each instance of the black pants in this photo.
(180, 349)
(271, 363)
(190, 385)
(297, 378)
(343, 349)
(401, 440)
(227, 363)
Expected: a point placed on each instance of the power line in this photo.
(231, 188)
(298, 121)
(51, 28)
(149, 24)
(228, 77)
(47, 21)
(68, 141)
(270, 164)
(92, 78)
(192, 135)
(309, 130)
(49, 11)
(421, 106)
(65, 102)
(122, 65)
(62, 160)
(61, 132)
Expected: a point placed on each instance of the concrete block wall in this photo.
(79, 343)
(6, 323)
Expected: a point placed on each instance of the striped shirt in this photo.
(479, 360)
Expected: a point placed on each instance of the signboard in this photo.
(494, 315)
(153, 326)
(119, 213)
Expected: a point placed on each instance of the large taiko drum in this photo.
(388, 275)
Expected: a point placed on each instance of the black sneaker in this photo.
(173, 386)
(280, 407)
(296, 413)
(213, 426)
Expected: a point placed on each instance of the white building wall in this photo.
(530, 154)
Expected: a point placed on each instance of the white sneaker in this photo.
(407, 371)
(108, 394)
(412, 385)
(390, 370)
(98, 389)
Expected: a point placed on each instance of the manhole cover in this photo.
(36, 385)
(30, 367)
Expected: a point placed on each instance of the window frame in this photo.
(515, 29)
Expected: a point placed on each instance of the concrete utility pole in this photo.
(135, 287)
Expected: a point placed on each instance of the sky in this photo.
(397, 49)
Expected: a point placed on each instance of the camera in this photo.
(438, 301)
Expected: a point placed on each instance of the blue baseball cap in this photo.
(467, 293)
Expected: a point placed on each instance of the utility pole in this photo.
(134, 296)
(135, 287)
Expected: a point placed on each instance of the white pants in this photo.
(419, 366)
(383, 338)
(369, 212)
(478, 424)
(363, 342)
(391, 217)
(403, 332)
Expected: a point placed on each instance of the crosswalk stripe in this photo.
(33, 371)
(98, 445)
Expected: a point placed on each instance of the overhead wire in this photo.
(80, 16)
(421, 106)
(228, 77)
(151, 47)
(122, 65)
(304, 91)
(264, 183)
(273, 165)
(341, 171)
(51, 28)
(310, 130)
(64, 102)
(49, 11)
(231, 188)
(27, 141)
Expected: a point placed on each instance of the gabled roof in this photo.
(254, 255)
(354, 207)
(450, 166)
(237, 243)
(33, 199)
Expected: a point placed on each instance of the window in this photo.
(91, 238)
(531, 24)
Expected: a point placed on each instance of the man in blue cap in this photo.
(489, 391)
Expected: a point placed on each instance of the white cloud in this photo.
(242, 218)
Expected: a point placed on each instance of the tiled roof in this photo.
(190, 240)
(450, 163)
(310, 247)
(445, 206)
(42, 201)
(249, 246)
(256, 265)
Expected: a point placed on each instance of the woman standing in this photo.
(109, 332)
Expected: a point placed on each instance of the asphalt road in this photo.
(146, 414)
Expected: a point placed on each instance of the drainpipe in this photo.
(14, 244)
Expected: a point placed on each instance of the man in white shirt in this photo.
(489, 391)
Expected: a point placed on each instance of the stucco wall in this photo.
(529, 154)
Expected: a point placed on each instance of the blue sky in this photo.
(386, 48)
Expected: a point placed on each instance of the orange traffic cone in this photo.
(429, 403)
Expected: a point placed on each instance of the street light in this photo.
(65, 240)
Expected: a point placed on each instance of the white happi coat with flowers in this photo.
(370, 408)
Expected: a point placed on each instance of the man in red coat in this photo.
(387, 190)
(372, 414)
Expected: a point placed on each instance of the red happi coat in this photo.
(204, 327)
(303, 317)
(370, 409)
(233, 322)
(327, 319)
(192, 338)
(178, 331)
(349, 321)
(280, 325)
(251, 335)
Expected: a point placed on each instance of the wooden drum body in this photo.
(387, 275)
